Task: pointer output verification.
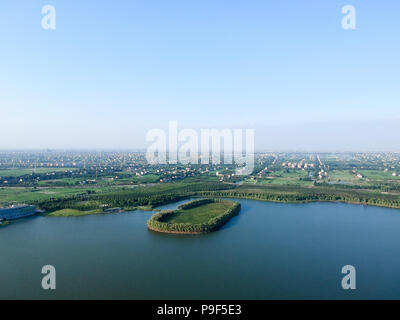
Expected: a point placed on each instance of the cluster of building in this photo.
(299, 165)
(224, 177)
(263, 172)
(359, 176)
(322, 173)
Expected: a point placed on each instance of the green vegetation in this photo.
(201, 213)
(22, 172)
(72, 212)
(308, 194)
(129, 178)
(150, 197)
(343, 176)
(93, 181)
(35, 195)
(378, 175)
(283, 177)
(199, 216)
(90, 198)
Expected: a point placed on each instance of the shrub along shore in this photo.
(166, 221)
(150, 197)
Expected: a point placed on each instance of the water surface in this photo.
(269, 251)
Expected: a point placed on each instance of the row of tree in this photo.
(146, 196)
(350, 196)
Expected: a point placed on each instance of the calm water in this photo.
(269, 251)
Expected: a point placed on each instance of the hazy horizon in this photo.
(361, 136)
(110, 72)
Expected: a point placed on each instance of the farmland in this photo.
(28, 171)
(92, 181)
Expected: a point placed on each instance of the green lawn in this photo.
(28, 195)
(346, 175)
(72, 213)
(200, 214)
(282, 177)
(379, 175)
(343, 175)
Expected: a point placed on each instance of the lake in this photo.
(269, 251)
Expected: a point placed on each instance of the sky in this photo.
(113, 70)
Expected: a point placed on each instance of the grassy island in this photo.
(199, 216)
(72, 213)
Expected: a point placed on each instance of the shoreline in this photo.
(174, 232)
(301, 201)
(196, 196)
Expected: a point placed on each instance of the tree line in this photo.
(159, 221)
(141, 196)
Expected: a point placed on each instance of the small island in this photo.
(195, 217)
(4, 223)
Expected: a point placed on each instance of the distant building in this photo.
(16, 212)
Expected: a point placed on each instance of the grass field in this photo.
(129, 177)
(343, 175)
(200, 214)
(72, 213)
(372, 175)
(29, 195)
(22, 172)
(282, 177)
(379, 175)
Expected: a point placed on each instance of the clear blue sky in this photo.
(114, 69)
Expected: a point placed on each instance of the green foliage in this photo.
(195, 204)
(308, 194)
(141, 196)
(72, 212)
(160, 221)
